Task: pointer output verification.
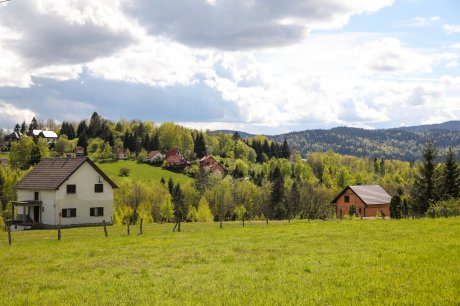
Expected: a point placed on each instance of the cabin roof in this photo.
(369, 194)
(50, 174)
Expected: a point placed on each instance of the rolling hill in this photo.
(403, 143)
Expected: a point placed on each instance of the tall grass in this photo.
(393, 262)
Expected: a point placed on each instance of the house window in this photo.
(71, 189)
(98, 188)
(96, 211)
(36, 196)
(69, 212)
(347, 199)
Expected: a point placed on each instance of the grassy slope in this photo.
(142, 172)
(318, 263)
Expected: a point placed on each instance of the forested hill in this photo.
(398, 143)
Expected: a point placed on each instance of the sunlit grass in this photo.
(396, 262)
(142, 172)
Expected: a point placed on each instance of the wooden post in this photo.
(142, 220)
(59, 226)
(105, 229)
(243, 220)
(128, 228)
(178, 228)
(9, 235)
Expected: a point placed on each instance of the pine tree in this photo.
(156, 142)
(23, 127)
(451, 176)
(277, 195)
(170, 186)
(423, 190)
(82, 128)
(286, 152)
(33, 125)
(396, 207)
(17, 128)
(95, 126)
(178, 200)
(382, 168)
(35, 155)
(200, 146)
(83, 142)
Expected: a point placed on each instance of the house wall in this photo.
(85, 198)
(46, 196)
(369, 211)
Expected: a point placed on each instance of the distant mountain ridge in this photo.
(403, 143)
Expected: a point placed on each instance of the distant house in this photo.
(209, 163)
(49, 136)
(68, 191)
(174, 159)
(368, 200)
(155, 157)
(121, 153)
(79, 151)
(15, 136)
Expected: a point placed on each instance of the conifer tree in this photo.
(286, 152)
(200, 146)
(23, 127)
(451, 176)
(35, 155)
(33, 125)
(17, 128)
(423, 190)
(277, 195)
(82, 128)
(83, 142)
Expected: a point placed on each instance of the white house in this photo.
(155, 157)
(69, 191)
(48, 136)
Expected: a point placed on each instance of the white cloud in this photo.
(451, 28)
(10, 114)
(423, 21)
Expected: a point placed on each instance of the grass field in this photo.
(142, 172)
(319, 263)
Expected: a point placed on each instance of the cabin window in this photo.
(98, 188)
(69, 212)
(71, 189)
(347, 199)
(96, 211)
(36, 196)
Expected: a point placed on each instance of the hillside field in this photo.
(394, 262)
(142, 172)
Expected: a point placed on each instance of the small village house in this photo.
(209, 163)
(69, 191)
(368, 201)
(49, 136)
(121, 153)
(14, 136)
(155, 157)
(174, 159)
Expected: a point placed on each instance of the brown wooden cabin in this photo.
(367, 199)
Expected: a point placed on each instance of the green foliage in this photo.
(124, 171)
(2, 221)
(445, 208)
(167, 209)
(450, 176)
(192, 214)
(204, 213)
(21, 153)
(240, 211)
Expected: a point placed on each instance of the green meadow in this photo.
(142, 172)
(392, 262)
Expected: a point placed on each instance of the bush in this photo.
(124, 172)
(2, 222)
(446, 208)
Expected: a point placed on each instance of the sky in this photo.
(259, 66)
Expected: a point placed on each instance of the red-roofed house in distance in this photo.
(209, 163)
(155, 157)
(121, 153)
(174, 159)
(368, 200)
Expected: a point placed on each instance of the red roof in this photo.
(153, 154)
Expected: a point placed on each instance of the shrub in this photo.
(446, 208)
(124, 172)
(2, 222)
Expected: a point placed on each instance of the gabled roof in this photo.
(50, 174)
(153, 154)
(369, 194)
(36, 132)
(49, 134)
